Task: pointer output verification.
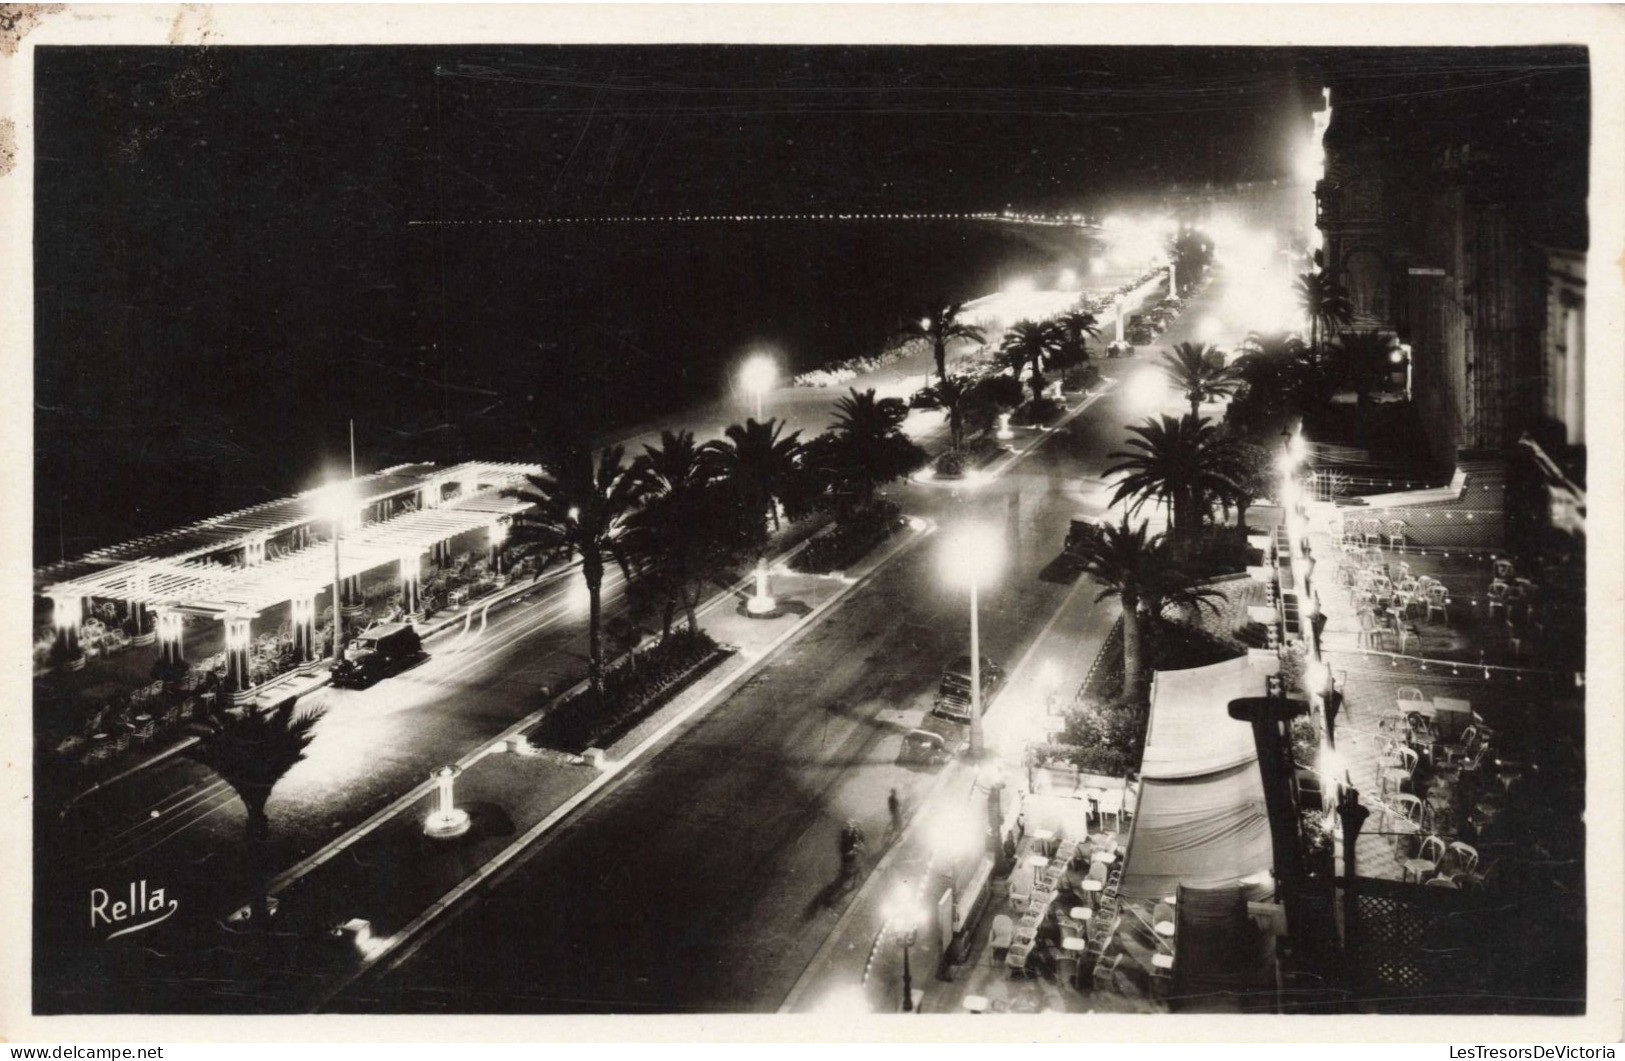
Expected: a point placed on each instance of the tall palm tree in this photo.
(761, 465)
(1276, 376)
(1122, 561)
(1077, 326)
(677, 535)
(251, 751)
(1167, 582)
(579, 507)
(1034, 343)
(955, 395)
(940, 325)
(1198, 371)
(1325, 303)
(869, 448)
(1178, 462)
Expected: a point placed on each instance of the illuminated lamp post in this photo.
(758, 377)
(447, 820)
(971, 555)
(903, 914)
(337, 502)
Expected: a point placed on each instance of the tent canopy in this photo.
(1201, 820)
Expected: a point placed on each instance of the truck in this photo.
(378, 652)
(945, 730)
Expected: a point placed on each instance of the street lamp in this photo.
(338, 501)
(971, 556)
(758, 377)
(903, 914)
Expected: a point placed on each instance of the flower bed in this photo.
(634, 689)
(847, 542)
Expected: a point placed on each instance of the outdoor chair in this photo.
(1402, 814)
(1400, 772)
(1427, 859)
(1335, 530)
(1396, 534)
(1106, 972)
(1401, 570)
(1496, 597)
(1438, 601)
(1371, 532)
(1374, 559)
(1463, 857)
(1441, 882)
(1111, 802)
(1162, 920)
(1371, 631)
(1502, 570)
(1469, 744)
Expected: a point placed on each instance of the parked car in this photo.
(377, 653)
(945, 731)
(1084, 529)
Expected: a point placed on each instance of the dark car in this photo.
(378, 652)
(1084, 529)
(945, 730)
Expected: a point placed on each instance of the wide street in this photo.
(706, 879)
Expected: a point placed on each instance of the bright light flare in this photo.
(1069, 278)
(1209, 329)
(845, 1002)
(1098, 266)
(759, 374)
(954, 832)
(972, 554)
(902, 909)
(1147, 390)
(336, 500)
(1020, 285)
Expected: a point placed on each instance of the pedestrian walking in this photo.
(895, 807)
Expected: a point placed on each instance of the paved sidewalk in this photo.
(859, 968)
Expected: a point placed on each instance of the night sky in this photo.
(227, 267)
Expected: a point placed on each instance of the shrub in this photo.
(633, 688)
(949, 464)
(1080, 377)
(849, 540)
(1102, 737)
(1038, 411)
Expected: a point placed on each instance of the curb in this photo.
(411, 935)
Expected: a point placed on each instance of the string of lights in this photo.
(614, 219)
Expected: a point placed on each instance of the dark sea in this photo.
(583, 328)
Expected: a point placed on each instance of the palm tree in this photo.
(869, 448)
(677, 536)
(955, 395)
(1178, 462)
(1121, 560)
(251, 751)
(1252, 474)
(1276, 377)
(1167, 582)
(579, 508)
(1199, 372)
(1076, 326)
(1325, 304)
(939, 326)
(1035, 343)
(761, 464)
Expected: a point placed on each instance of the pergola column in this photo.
(237, 678)
(304, 629)
(254, 552)
(1118, 306)
(170, 649)
(498, 535)
(66, 615)
(411, 573)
